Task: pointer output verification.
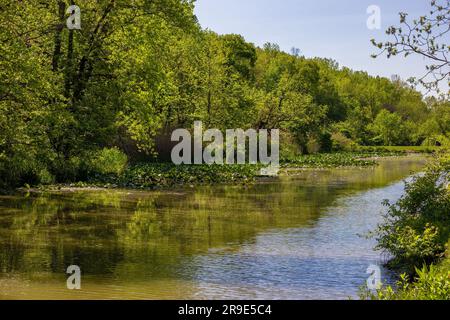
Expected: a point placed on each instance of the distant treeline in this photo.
(139, 69)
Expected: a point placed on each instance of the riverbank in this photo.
(167, 175)
(416, 234)
(430, 283)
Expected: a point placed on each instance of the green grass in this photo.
(402, 149)
(430, 283)
(334, 160)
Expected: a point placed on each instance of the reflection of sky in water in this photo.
(326, 261)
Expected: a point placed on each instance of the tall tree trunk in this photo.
(58, 32)
(69, 66)
(86, 64)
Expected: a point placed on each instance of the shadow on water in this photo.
(295, 237)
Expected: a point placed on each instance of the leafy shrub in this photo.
(417, 227)
(416, 232)
(411, 246)
(430, 283)
(105, 162)
(45, 177)
(23, 168)
(436, 140)
(326, 144)
(288, 145)
(70, 169)
(341, 143)
(313, 145)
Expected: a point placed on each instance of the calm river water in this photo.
(295, 237)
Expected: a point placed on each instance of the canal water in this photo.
(295, 237)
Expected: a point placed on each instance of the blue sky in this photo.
(319, 28)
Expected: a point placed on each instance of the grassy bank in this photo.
(163, 175)
(362, 156)
(110, 167)
(399, 149)
(332, 160)
(429, 283)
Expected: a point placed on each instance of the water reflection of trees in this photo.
(142, 234)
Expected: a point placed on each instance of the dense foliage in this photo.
(417, 227)
(416, 234)
(138, 69)
(430, 283)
